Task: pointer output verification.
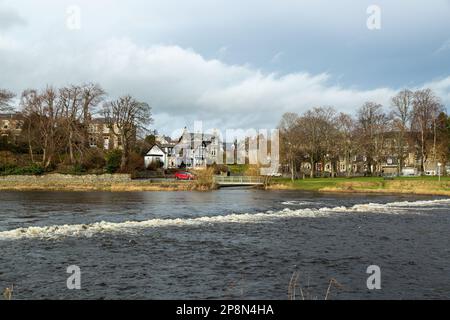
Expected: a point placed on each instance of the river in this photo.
(226, 244)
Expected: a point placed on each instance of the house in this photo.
(10, 126)
(167, 145)
(156, 157)
(165, 140)
(410, 172)
(198, 150)
(101, 136)
(191, 150)
(390, 166)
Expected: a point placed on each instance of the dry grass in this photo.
(423, 187)
(204, 179)
(304, 292)
(279, 186)
(8, 293)
(361, 185)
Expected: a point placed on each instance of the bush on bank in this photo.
(33, 169)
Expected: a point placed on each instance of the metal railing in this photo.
(238, 180)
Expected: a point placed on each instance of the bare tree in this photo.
(402, 105)
(346, 136)
(43, 122)
(290, 141)
(91, 96)
(426, 108)
(125, 117)
(30, 103)
(316, 129)
(5, 99)
(372, 126)
(70, 99)
(443, 138)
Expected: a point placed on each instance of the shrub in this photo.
(155, 166)
(219, 168)
(33, 169)
(6, 169)
(7, 158)
(69, 169)
(95, 159)
(78, 169)
(17, 148)
(252, 170)
(204, 179)
(113, 159)
(136, 162)
(238, 169)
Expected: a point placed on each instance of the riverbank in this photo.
(124, 183)
(107, 182)
(413, 185)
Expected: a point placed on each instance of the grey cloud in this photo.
(173, 60)
(9, 18)
(183, 86)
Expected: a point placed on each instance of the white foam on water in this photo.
(296, 203)
(88, 230)
(426, 203)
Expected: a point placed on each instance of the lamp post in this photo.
(439, 170)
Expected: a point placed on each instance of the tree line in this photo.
(57, 123)
(414, 122)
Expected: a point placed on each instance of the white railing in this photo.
(238, 180)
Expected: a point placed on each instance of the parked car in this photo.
(184, 175)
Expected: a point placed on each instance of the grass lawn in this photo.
(401, 184)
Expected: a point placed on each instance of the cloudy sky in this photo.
(231, 64)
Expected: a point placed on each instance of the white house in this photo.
(156, 156)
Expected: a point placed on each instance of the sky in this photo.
(231, 64)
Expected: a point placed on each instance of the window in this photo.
(92, 142)
(106, 143)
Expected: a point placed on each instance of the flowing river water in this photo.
(227, 244)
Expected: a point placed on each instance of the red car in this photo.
(183, 175)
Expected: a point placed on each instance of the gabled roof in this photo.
(155, 145)
(195, 136)
(167, 139)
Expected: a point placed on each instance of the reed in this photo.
(8, 293)
(305, 292)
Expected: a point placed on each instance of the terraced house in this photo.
(10, 127)
(100, 135)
